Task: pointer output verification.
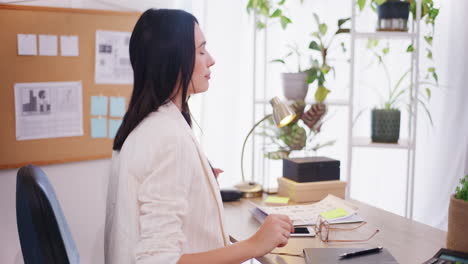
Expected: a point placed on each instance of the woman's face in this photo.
(203, 62)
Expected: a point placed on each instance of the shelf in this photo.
(365, 142)
(328, 102)
(385, 35)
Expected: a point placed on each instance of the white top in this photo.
(163, 199)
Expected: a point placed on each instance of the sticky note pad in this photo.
(69, 46)
(48, 45)
(276, 200)
(27, 44)
(98, 127)
(335, 213)
(98, 105)
(114, 125)
(117, 106)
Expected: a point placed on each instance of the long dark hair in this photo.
(162, 49)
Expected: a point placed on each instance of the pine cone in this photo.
(313, 117)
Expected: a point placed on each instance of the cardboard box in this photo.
(311, 169)
(310, 191)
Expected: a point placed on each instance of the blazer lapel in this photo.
(214, 187)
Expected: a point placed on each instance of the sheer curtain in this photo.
(442, 151)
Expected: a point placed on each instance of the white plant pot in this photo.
(295, 85)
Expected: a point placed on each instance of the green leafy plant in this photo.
(268, 10)
(429, 13)
(395, 97)
(319, 68)
(299, 135)
(461, 192)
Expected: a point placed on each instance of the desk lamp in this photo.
(282, 116)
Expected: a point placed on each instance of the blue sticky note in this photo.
(99, 105)
(117, 106)
(98, 127)
(114, 125)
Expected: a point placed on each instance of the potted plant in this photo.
(392, 14)
(457, 238)
(385, 119)
(295, 84)
(299, 135)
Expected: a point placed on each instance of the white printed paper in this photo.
(112, 64)
(307, 214)
(48, 110)
(48, 45)
(69, 46)
(27, 44)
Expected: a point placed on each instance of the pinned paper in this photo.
(335, 213)
(114, 125)
(98, 127)
(69, 46)
(276, 200)
(117, 106)
(99, 105)
(48, 45)
(27, 44)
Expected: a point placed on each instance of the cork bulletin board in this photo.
(16, 69)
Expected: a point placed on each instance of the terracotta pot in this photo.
(457, 235)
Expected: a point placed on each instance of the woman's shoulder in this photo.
(157, 128)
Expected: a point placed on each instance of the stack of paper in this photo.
(334, 209)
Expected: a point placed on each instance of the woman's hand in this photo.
(217, 171)
(274, 232)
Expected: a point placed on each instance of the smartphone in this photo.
(303, 232)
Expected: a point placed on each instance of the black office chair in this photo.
(42, 228)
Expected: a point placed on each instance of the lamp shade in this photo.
(282, 113)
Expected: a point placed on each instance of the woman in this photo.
(164, 204)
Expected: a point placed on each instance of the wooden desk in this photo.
(409, 242)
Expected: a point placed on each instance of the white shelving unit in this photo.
(408, 143)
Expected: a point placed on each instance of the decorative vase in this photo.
(457, 238)
(393, 16)
(385, 125)
(295, 85)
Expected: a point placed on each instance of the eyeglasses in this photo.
(322, 229)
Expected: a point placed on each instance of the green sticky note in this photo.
(276, 200)
(335, 213)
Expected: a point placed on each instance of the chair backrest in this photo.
(42, 228)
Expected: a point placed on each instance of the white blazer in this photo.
(163, 199)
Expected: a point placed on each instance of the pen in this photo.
(361, 252)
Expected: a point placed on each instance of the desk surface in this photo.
(409, 241)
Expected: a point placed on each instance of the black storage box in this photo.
(311, 169)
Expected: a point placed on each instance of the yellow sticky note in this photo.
(335, 213)
(276, 200)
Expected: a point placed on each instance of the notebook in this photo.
(331, 256)
(306, 214)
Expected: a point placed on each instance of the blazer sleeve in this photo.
(163, 205)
